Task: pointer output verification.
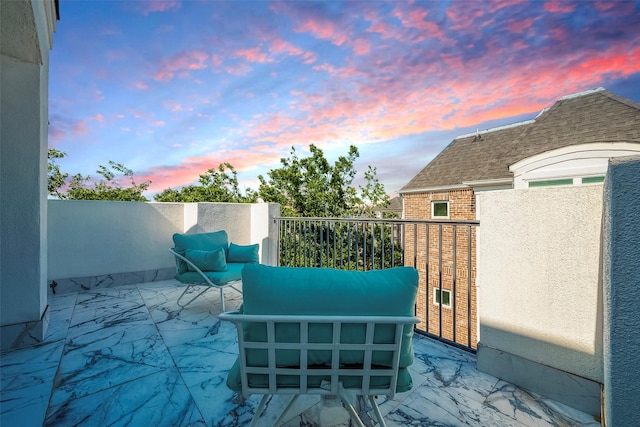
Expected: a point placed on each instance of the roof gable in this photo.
(589, 117)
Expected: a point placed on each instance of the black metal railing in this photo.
(443, 252)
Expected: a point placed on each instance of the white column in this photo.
(24, 60)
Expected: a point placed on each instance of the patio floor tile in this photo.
(130, 356)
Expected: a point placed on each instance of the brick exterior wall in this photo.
(462, 206)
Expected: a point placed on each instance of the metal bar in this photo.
(335, 254)
(382, 239)
(320, 250)
(357, 249)
(364, 247)
(393, 245)
(348, 246)
(427, 227)
(373, 246)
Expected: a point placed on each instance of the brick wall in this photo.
(443, 264)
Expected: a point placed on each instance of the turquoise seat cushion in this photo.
(206, 260)
(200, 241)
(219, 278)
(239, 253)
(323, 291)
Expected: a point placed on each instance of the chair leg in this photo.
(259, 410)
(349, 407)
(222, 299)
(192, 299)
(376, 410)
(286, 410)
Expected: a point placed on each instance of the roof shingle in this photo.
(590, 117)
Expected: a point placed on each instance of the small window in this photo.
(440, 209)
(592, 179)
(551, 182)
(444, 297)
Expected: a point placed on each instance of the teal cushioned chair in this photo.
(324, 331)
(207, 259)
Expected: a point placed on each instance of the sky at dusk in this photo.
(173, 88)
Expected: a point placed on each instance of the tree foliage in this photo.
(373, 196)
(55, 178)
(312, 187)
(214, 186)
(303, 186)
(107, 188)
(81, 187)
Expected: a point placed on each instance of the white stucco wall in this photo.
(539, 293)
(24, 63)
(92, 238)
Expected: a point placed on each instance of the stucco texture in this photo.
(621, 240)
(538, 276)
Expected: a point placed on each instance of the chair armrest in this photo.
(192, 265)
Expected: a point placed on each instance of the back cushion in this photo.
(201, 242)
(324, 291)
(239, 253)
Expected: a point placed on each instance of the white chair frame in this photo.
(205, 282)
(335, 371)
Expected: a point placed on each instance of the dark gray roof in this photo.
(588, 117)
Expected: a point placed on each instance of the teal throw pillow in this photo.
(207, 260)
(243, 254)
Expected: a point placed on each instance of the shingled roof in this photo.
(594, 116)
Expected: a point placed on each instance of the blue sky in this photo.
(173, 88)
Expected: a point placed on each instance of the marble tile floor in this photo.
(129, 356)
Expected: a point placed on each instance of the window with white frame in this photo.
(440, 209)
(442, 296)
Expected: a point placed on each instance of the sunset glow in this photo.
(174, 88)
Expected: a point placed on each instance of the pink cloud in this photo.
(188, 171)
(238, 69)
(181, 64)
(556, 6)
(496, 5)
(141, 85)
(519, 26)
(361, 46)
(80, 128)
(279, 46)
(153, 6)
(253, 55)
(416, 17)
(323, 29)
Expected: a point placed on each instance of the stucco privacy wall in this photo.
(25, 32)
(93, 238)
(538, 276)
(621, 283)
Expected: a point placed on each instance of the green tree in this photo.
(373, 196)
(310, 186)
(55, 178)
(83, 188)
(214, 186)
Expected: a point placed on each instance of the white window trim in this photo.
(433, 216)
(435, 293)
